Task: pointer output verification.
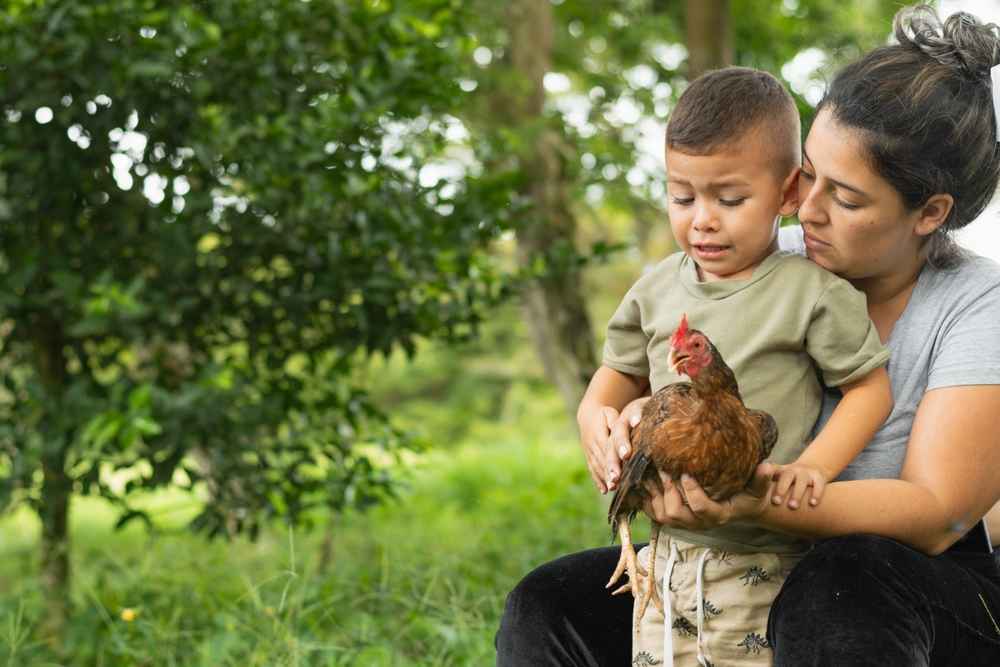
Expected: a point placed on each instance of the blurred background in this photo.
(298, 298)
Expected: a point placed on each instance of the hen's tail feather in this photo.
(635, 469)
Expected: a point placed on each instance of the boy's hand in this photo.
(595, 431)
(795, 481)
(620, 446)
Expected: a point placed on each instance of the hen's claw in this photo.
(651, 592)
(627, 562)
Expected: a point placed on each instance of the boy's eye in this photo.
(806, 175)
(732, 202)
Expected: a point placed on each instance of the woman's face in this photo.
(855, 222)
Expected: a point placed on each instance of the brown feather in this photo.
(699, 428)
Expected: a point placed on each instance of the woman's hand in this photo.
(686, 505)
(595, 430)
(620, 444)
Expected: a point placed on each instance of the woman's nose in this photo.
(810, 206)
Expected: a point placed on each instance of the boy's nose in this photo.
(705, 220)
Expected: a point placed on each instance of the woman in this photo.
(903, 150)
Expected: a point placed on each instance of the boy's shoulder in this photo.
(792, 265)
(654, 275)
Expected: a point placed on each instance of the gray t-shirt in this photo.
(949, 335)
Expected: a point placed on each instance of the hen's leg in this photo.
(651, 592)
(626, 562)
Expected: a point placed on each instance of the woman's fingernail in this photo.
(633, 420)
(776, 500)
(622, 451)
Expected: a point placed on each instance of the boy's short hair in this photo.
(726, 104)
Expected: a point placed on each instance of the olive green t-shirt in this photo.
(783, 331)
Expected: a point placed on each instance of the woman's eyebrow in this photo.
(839, 184)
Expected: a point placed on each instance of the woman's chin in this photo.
(820, 258)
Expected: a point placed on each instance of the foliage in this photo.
(624, 66)
(416, 583)
(209, 211)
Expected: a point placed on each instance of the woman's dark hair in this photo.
(925, 108)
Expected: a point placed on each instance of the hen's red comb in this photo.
(681, 332)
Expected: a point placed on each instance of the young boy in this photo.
(733, 152)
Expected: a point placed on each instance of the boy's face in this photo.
(724, 206)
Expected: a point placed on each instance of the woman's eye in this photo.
(845, 205)
(806, 175)
(682, 201)
(732, 202)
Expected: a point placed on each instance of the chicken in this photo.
(699, 428)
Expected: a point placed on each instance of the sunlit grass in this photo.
(418, 582)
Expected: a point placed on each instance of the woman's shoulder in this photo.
(962, 298)
(970, 278)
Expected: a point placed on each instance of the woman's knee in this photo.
(851, 601)
(842, 575)
(530, 605)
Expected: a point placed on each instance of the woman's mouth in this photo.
(813, 242)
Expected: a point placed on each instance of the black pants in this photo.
(852, 601)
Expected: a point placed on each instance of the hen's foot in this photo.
(627, 562)
(651, 590)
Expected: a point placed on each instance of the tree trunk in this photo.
(54, 513)
(709, 36)
(554, 308)
(53, 510)
(326, 547)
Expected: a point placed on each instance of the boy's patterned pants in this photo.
(734, 592)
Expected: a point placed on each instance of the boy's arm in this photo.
(608, 392)
(863, 409)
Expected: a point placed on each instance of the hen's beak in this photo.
(678, 361)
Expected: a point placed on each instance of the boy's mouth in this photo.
(709, 250)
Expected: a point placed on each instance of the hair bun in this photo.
(962, 41)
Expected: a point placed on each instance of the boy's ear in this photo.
(934, 213)
(790, 194)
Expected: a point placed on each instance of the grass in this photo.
(418, 582)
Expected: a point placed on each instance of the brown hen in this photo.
(699, 428)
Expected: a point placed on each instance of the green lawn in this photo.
(418, 582)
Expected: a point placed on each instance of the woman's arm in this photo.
(948, 482)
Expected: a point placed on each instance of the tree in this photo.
(554, 306)
(210, 212)
(621, 66)
(709, 36)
